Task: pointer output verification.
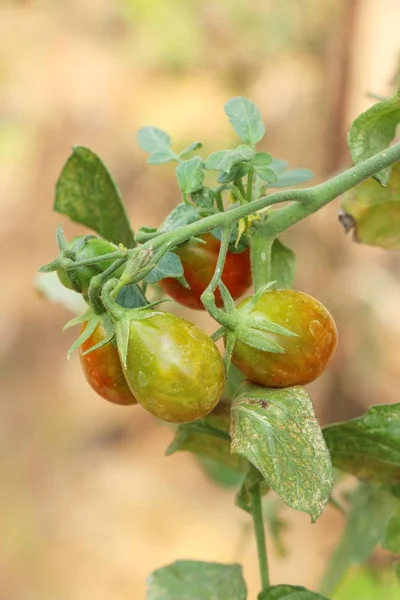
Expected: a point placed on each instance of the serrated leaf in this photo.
(198, 581)
(237, 172)
(370, 508)
(87, 194)
(373, 212)
(191, 148)
(271, 260)
(277, 431)
(161, 157)
(292, 177)
(225, 160)
(289, 592)
(131, 296)
(245, 119)
(391, 535)
(198, 438)
(169, 266)
(153, 140)
(369, 446)
(190, 175)
(373, 131)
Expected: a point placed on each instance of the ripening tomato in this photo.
(103, 371)
(306, 355)
(79, 279)
(199, 262)
(173, 368)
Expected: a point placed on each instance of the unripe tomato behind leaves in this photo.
(173, 368)
(79, 279)
(199, 262)
(306, 355)
(103, 370)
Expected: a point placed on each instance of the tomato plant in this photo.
(199, 262)
(102, 368)
(279, 338)
(305, 355)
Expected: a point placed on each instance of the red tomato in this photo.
(103, 370)
(199, 262)
(306, 355)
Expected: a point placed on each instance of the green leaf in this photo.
(277, 431)
(373, 131)
(262, 159)
(220, 474)
(225, 160)
(237, 172)
(233, 382)
(191, 148)
(370, 508)
(153, 140)
(373, 212)
(279, 166)
(201, 438)
(204, 199)
(245, 119)
(391, 536)
(87, 194)
(169, 266)
(369, 446)
(184, 580)
(190, 175)
(161, 157)
(183, 214)
(289, 592)
(131, 296)
(271, 260)
(292, 177)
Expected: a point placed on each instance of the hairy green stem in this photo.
(304, 202)
(249, 193)
(259, 530)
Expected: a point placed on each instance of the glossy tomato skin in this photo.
(306, 355)
(92, 248)
(173, 368)
(103, 370)
(199, 262)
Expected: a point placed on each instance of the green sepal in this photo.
(229, 346)
(100, 344)
(217, 335)
(78, 320)
(50, 267)
(228, 301)
(122, 330)
(93, 322)
(259, 322)
(256, 339)
(61, 239)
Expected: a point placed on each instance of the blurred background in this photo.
(89, 505)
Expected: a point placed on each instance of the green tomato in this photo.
(306, 355)
(173, 368)
(86, 247)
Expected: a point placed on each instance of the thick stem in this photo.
(304, 202)
(256, 511)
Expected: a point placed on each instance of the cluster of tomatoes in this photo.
(173, 368)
